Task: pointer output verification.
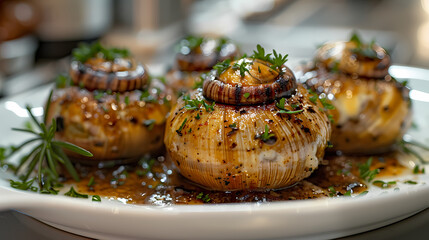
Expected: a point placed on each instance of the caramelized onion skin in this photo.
(261, 84)
(190, 65)
(222, 149)
(341, 56)
(119, 76)
(372, 110)
(109, 129)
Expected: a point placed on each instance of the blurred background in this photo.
(36, 36)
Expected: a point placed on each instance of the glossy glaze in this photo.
(373, 110)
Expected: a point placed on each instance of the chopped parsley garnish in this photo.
(193, 104)
(150, 123)
(96, 198)
(147, 97)
(332, 191)
(383, 184)
(191, 42)
(234, 125)
(198, 116)
(410, 182)
(241, 65)
(179, 131)
(363, 193)
(73, 193)
(418, 170)
(266, 135)
(221, 67)
(205, 198)
(63, 81)
(198, 84)
(87, 51)
(280, 104)
(362, 49)
(127, 100)
(246, 95)
(91, 182)
(365, 172)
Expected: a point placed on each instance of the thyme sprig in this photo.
(46, 155)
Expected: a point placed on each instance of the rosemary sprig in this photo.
(47, 154)
(406, 147)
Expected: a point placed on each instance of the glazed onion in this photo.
(197, 55)
(253, 146)
(110, 110)
(372, 110)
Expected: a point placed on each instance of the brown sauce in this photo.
(157, 182)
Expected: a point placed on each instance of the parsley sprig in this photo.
(86, 51)
(46, 155)
(277, 60)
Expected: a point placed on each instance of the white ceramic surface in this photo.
(309, 219)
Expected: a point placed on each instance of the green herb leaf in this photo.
(221, 67)
(96, 198)
(365, 172)
(24, 185)
(91, 182)
(73, 193)
(410, 182)
(246, 95)
(266, 135)
(179, 131)
(86, 51)
(383, 184)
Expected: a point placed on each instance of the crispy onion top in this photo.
(370, 61)
(258, 84)
(205, 56)
(120, 75)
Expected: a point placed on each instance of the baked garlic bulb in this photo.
(372, 110)
(108, 107)
(195, 56)
(250, 127)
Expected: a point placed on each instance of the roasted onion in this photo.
(372, 110)
(197, 55)
(110, 110)
(247, 138)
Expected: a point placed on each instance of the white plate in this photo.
(320, 218)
